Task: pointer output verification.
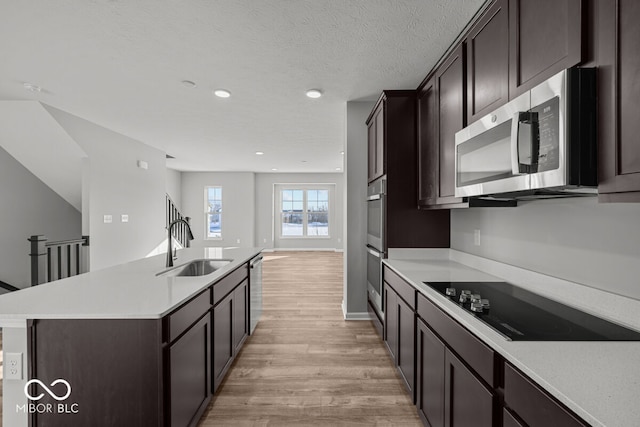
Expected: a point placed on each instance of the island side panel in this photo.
(114, 368)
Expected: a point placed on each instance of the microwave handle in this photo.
(529, 119)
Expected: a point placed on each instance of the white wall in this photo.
(238, 206)
(116, 186)
(574, 239)
(355, 262)
(29, 207)
(174, 186)
(265, 209)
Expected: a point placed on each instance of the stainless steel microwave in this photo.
(542, 143)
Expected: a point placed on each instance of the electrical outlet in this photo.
(108, 219)
(124, 218)
(12, 366)
(476, 237)
(264, 240)
(238, 241)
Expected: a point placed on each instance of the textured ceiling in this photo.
(120, 64)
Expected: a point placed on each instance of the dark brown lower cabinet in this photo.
(430, 376)
(533, 405)
(509, 420)
(230, 330)
(240, 315)
(223, 348)
(400, 327)
(467, 402)
(190, 373)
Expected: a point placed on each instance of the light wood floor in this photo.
(306, 365)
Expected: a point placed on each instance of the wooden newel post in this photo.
(38, 257)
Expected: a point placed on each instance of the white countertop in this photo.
(599, 381)
(125, 291)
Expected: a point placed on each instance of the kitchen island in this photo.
(599, 381)
(125, 345)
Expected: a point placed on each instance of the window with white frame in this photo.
(213, 212)
(304, 212)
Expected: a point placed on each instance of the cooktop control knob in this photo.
(485, 303)
(477, 307)
(451, 292)
(475, 298)
(465, 296)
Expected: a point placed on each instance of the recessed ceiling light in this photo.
(314, 93)
(31, 87)
(338, 169)
(222, 93)
(274, 169)
(259, 153)
(342, 152)
(188, 84)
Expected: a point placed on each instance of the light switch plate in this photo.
(12, 366)
(108, 219)
(124, 218)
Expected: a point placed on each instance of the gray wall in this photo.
(115, 186)
(573, 239)
(264, 214)
(238, 206)
(174, 186)
(29, 207)
(355, 262)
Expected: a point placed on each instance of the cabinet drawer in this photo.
(470, 349)
(180, 320)
(228, 283)
(402, 288)
(532, 404)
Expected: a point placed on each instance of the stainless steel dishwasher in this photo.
(255, 291)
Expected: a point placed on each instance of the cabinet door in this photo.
(407, 345)
(619, 92)
(190, 373)
(391, 322)
(240, 319)
(450, 84)
(380, 142)
(488, 62)
(371, 150)
(427, 144)
(467, 401)
(545, 38)
(430, 376)
(222, 339)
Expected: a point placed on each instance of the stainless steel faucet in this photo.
(170, 238)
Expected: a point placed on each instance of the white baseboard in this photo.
(355, 316)
(303, 250)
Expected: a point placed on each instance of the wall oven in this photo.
(376, 250)
(542, 143)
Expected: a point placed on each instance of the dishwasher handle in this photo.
(256, 262)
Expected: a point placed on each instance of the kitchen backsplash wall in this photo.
(575, 239)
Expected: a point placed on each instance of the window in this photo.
(213, 214)
(304, 213)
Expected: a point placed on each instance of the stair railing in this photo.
(57, 260)
(179, 231)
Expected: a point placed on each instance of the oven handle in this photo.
(374, 252)
(374, 197)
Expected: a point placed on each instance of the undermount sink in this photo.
(199, 267)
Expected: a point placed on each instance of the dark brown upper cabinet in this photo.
(619, 105)
(427, 144)
(545, 37)
(394, 120)
(488, 62)
(376, 139)
(451, 114)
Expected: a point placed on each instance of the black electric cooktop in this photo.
(520, 315)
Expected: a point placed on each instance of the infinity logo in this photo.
(52, 394)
